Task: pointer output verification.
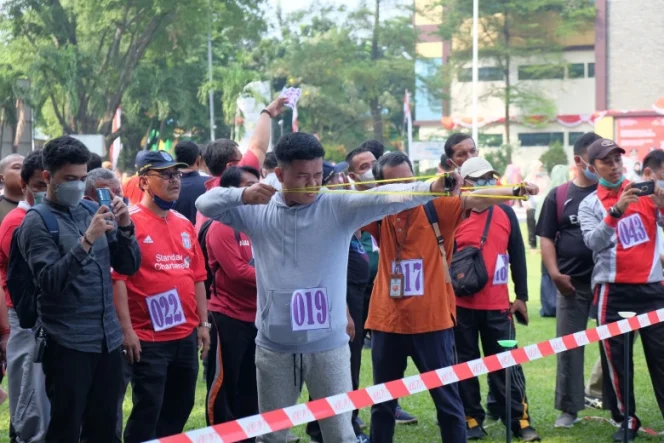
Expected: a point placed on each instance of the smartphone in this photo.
(450, 182)
(645, 188)
(520, 319)
(104, 197)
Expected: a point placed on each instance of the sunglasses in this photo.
(167, 175)
(485, 182)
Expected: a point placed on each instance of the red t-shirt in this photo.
(12, 221)
(234, 289)
(248, 159)
(171, 265)
(132, 191)
(495, 295)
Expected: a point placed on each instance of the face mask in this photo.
(367, 176)
(38, 197)
(164, 205)
(589, 175)
(609, 185)
(70, 193)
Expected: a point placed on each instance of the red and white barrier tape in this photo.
(286, 418)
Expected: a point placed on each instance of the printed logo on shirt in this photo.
(245, 243)
(148, 240)
(574, 220)
(186, 240)
(171, 262)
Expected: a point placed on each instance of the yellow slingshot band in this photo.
(433, 194)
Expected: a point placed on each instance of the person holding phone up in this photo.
(488, 314)
(620, 227)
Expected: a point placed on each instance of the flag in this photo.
(295, 122)
(408, 119)
(116, 147)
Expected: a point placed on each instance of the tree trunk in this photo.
(20, 125)
(2, 130)
(375, 55)
(508, 83)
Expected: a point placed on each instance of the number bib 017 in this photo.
(632, 232)
(500, 274)
(165, 310)
(413, 276)
(310, 310)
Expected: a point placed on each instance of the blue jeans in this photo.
(429, 351)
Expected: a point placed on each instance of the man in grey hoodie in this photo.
(301, 315)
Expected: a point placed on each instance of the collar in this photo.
(214, 182)
(10, 200)
(146, 210)
(24, 205)
(191, 174)
(604, 192)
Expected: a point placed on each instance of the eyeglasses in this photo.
(485, 182)
(168, 175)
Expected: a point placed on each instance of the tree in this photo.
(516, 29)
(553, 156)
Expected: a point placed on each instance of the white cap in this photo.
(476, 167)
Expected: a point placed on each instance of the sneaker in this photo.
(295, 439)
(362, 438)
(619, 435)
(528, 434)
(566, 420)
(360, 424)
(404, 418)
(475, 433)
(593, 402)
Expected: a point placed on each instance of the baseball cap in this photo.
(329, 170)
(599, 149)
(476, 167)
(157, 160)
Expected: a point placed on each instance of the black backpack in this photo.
(469, 275)
(21, 284)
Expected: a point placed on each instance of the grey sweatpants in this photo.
(29, 407)
(280, 378)
(571, 316)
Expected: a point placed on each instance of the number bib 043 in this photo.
(632, 232)
(165, 310)
(500, 274)
(310, 309)
(413, 276)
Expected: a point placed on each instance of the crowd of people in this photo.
(275, 268)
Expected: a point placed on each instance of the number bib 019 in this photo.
(413, 276)
(632, 232)
(165, 310)
(500, 274)
(310, 310)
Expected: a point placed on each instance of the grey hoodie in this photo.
(302, 247)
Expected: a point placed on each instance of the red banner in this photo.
(640, 135)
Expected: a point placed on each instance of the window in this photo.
(491, 140)
(576, 70)
(490, 74)
(541, 72)
(427, 108)
(541, 138)
(573, 137)
(591, 70)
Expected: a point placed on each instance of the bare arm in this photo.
(260, 140)
(549, 256)
(131, 342)
(472, 201)
(201, 309)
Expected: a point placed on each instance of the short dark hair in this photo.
(270, 161)
(390, 159)
(298, 146)
(355, 152)
(454, 140)
(33, 162)
(217, 154)
(62, 151)
(443, 162)
(653, 160)
(376, 147)
(232, 177)
(581, 144)
(94, 162)
(187, 152)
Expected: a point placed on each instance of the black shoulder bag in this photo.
(469, 275)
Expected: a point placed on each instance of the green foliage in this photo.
(499, 157)
(554, 155)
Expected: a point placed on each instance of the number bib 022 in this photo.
(413, 276)
(500, 274)
(165, 310)
(632, 232)
(310, 310)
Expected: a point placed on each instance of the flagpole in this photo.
(475, 67)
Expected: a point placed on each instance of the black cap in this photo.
(157, 160)
(329, 170)
(599, 149)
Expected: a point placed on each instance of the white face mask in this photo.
(367, 176)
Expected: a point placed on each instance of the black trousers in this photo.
(612, 299)
(355, 300)
(231, 375)
(429, 351)
(83, 388)
(163, 388)
(490, 326)
(531, 223)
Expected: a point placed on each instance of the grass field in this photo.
(540, 376)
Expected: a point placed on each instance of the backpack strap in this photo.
(50, 221)
(561, 196)
(432, 216)
(486, 227)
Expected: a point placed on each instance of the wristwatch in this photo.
(205, 324)
(615, 212)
